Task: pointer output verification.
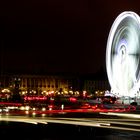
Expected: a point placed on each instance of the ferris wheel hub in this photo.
(122, 52)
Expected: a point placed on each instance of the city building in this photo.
(45, 84)
(38, 84)
(92, 86)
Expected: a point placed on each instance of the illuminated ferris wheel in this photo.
(123, 54)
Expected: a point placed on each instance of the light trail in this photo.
(94, 122)
(122, 115)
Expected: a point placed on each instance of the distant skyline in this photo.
(57, 36)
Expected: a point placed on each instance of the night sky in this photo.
(57, 36)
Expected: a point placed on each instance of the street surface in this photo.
(60, 127)
(113, 122)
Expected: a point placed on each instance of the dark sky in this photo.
(42, 36)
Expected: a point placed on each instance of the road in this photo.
(61, 126)
(108, 122)
(121, 121)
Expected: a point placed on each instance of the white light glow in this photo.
(123, 54)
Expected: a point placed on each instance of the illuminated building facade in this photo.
(44, 84)
(38, 84)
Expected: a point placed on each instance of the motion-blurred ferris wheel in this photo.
(123, 54)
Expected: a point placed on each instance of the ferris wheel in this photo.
(123, 54)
